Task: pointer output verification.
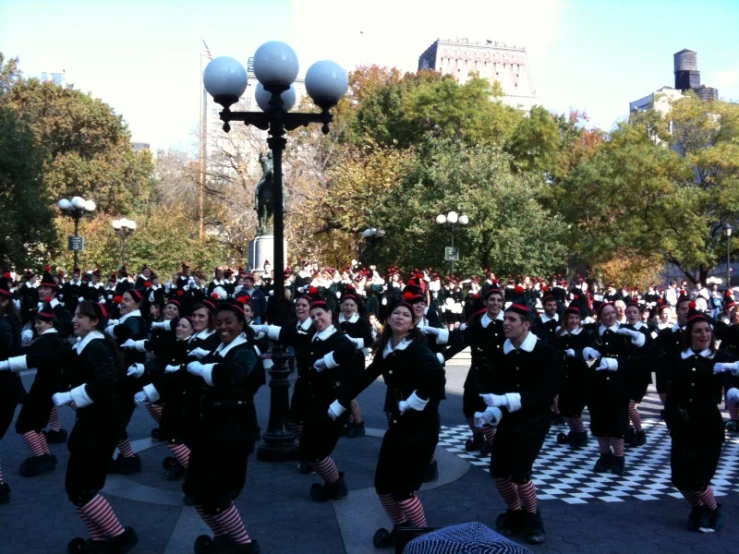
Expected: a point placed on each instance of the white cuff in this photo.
(359, 343)
(273, 332)
(441, 359)
(443, 336)
(110, 330)
(514, 401)
(18, 363)
(415, 402)
(639, 340)
(330, 362)
(167, 324)
(337, 408)
(140, 345)
(80, 396)
(208, 373)
(151, 392)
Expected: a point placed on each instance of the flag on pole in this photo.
(207, 53)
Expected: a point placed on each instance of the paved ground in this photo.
(277, 509)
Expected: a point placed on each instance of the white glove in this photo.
(259, 328)
(319, 365)
(159, 325)
(628, 332)
(491, 416)
(335, 410)
(112, 322)
(384, 301)
(199, 353)
(5, 365)
(722, 368)
(403, 407)
(139, 398)
(732, 395)
(81, 299)
(338, 294)
(135, 370)
(61, 398)
(196, 368)
(358, 343)
(413, 402)
(495, 400)
(171, 368)
(591, 353)
(570, 353)
(129, 343)
(607, 364)
(26, 336)
(426, 330)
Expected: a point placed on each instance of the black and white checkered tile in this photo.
(563, 473)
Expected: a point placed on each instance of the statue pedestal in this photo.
(262, 249)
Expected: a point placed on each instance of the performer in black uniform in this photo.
(415, 387)
(522, 386)
(89, 375)
(638, 383)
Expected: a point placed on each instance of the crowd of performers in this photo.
(194, 351)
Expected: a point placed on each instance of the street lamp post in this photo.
(123, 227)
(372, 235)
(276, 67)
(453, 219)
(727, 233)
(76, 208)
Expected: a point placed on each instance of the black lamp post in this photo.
(276, 67)
(727, 229)
(123, 227)
(453, 219)
(76, 208)
(372, 235)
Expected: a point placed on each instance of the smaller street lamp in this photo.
(727, 229)
(453, 219)
(76, 208)
(123, 228)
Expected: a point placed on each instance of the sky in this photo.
(143, 57)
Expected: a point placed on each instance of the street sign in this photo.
(451, 254)
(75, 244)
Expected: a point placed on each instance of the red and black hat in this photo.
(695, 316)
(46, 313)
(519, 309)
(123, 271)
(494, 289)
(48, 279)
(548, 298)
(5, 283)
(413, 293)
(319, 303)
(572, 309)
(349, 294)
(135, 294)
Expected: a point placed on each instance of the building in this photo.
(136, 146)
(491, 60)
(687, 77)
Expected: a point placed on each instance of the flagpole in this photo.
(203, 136)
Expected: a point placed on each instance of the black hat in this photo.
(46, 313)
(519, 309)
(493, 290)
(48, 279)
(413, 294)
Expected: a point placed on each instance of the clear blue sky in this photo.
(143, 56)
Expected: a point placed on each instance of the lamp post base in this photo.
(279, 443)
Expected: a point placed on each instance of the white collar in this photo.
(546, 319)
(402, 345)
(79, 346)
(305, 324)
(638, 325)
(222, 349)
(204, 334)
(676, 328)
(135, 313)
(572, 333)
(50, 331)
(527, 345)
(353, 319)
(326, 333)
(707, 353)
(613, 328)
(54, 302)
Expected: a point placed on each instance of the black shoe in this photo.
(156, 434)
(604, 463)
(533, 527)
(617, 466)
(175, 473)
(715, 520)
(55, 437)
(510, 523)
(432, 472)
(354, 430)
(329, 491)
(169, 462)
(732, 426)
(99, 547)
(630, 437)
(36, 465)
(76, 546)
(386, 539)
(4, 493)
(125, 466)
(578, 440)
(203, 544)
(697, 518)
(475, 443)
(564, 438)
(123, 542)
(306, 469)
(224, 544)
(640, 438)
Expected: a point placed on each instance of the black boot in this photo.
(510, 523)
(329, 491)
(203, 544)
(224, 544)
(715, 520)
(354, 430)
(4, 493)
(578, 440)
(175, 473)
(630, 437)
(123, 542)
(564, 438)
(534, 528)
(432, 472)
(125, 466)
(604, 463)
(475, 443)
(155, 434)
(36, 465)
(386, 539)
(55, 437)
(640, 438)
(169, 462)
(617, 465)
(697, 518)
